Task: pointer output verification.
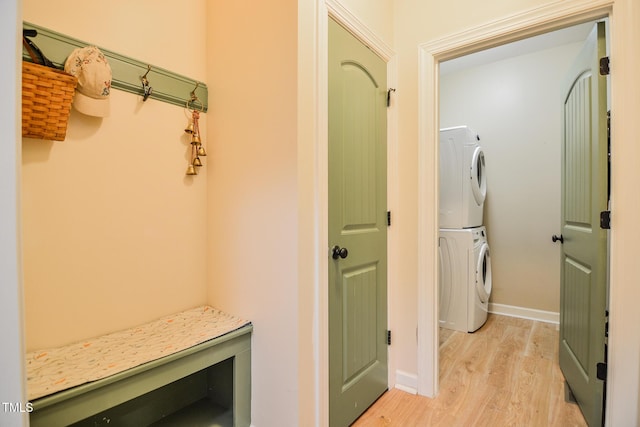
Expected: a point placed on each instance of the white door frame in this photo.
(516, 27)
(13, 386)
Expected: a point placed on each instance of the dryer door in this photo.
(483, 273)
(478, 179)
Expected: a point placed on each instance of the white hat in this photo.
(91, 68)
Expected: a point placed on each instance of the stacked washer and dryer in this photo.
(465, 262)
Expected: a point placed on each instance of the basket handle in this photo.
(34, 51)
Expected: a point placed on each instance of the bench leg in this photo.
(242, 389)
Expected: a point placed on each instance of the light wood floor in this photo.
(505, 374)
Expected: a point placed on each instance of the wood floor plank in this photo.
(562, 414)
(444, 335)
(543, 341)
(529, 403)
(507, 358)
(456, 344)
(505, 374)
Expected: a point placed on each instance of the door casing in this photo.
(528, 24)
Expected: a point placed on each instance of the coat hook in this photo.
(145, 74)
(146, 88)
(194, 100)
(193, 92)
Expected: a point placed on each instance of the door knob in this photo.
(338, 252)
(555, 238)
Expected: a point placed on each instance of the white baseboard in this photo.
(525, 313)
(407, 382)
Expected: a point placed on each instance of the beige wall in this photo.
(114, 234)
(252, 190)
(515, 106)
(377, 15)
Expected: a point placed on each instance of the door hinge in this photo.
(388, 218)
(601, 371)
(604, 66)
(605, 220)
(609, 155)
(601, 367)
(388, 337)
(389, 96)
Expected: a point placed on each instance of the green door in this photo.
(357, 227)
(584, 244)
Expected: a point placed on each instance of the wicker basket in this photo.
(47, 94)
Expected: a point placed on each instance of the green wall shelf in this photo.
(126, 72)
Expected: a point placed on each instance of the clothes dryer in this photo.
(465, 278)
(463, 184)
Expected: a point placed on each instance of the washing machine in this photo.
(463, 184)
(465, 278)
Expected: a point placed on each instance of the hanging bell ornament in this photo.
(191, 170)
(196, 143)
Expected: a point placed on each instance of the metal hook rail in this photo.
(167, 86)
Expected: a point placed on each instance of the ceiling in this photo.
(574, 34)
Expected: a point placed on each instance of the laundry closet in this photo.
(511, 97)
